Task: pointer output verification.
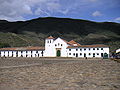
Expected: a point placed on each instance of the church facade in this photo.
(58, 48)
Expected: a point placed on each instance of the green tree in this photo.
(4, 45)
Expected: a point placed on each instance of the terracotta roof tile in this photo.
(88, 46)
(50, 37)
(72, 42)
(24, 48)
(7, 48)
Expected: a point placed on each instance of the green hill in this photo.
(33, 32)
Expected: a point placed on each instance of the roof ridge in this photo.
(50, 37)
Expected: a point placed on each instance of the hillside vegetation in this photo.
(33, 32)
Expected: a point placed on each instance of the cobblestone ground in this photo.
(56, 74)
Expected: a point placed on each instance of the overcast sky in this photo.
(95, 10)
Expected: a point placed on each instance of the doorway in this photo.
(76, 54)
(58, 53)
(84, 54)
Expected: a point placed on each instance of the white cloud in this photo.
(47, 7)
(16, 18)
(53, 6)
(64, 11)
(14, 10)
(97, 13)
(117, 19)
(39, 11)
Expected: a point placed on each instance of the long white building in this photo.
(58, 48)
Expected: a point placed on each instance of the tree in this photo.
(4, 45)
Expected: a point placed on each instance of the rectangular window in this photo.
(61, 44)
(93, 48)
(76, 49)
(97, 53)
(84, 49)
(80, 49)
(74, 54)
(69, 49)
(80, 54)
(69, 53)
(97, 48)
(101, 48)
(55, 44)
(89, 48)
(89, 53)
(93, 54)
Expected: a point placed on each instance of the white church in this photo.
(57, 47)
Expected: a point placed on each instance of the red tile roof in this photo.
(72, 42)
(88, 46)
(50, 37)
(24, 48)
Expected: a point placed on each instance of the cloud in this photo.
(39, 11)
(117, 19)
(97, 13)
(14, 10)
(16, 18)
(64, 11)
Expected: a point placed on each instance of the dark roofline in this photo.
(89, 46)
(22, 49)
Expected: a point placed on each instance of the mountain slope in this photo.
(33, 32)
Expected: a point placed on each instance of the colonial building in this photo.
(58, 48)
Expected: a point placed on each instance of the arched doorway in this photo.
(58, 53)
(105, 56)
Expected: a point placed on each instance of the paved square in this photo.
(58, 74)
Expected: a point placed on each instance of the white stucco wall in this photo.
(10, 53)
(89, 53)
(2, 54)
(62, 45)
(24, 53)
(51, 47)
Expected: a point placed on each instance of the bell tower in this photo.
(49, 42)
(49, 48)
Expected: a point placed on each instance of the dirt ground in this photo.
(59, 74)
